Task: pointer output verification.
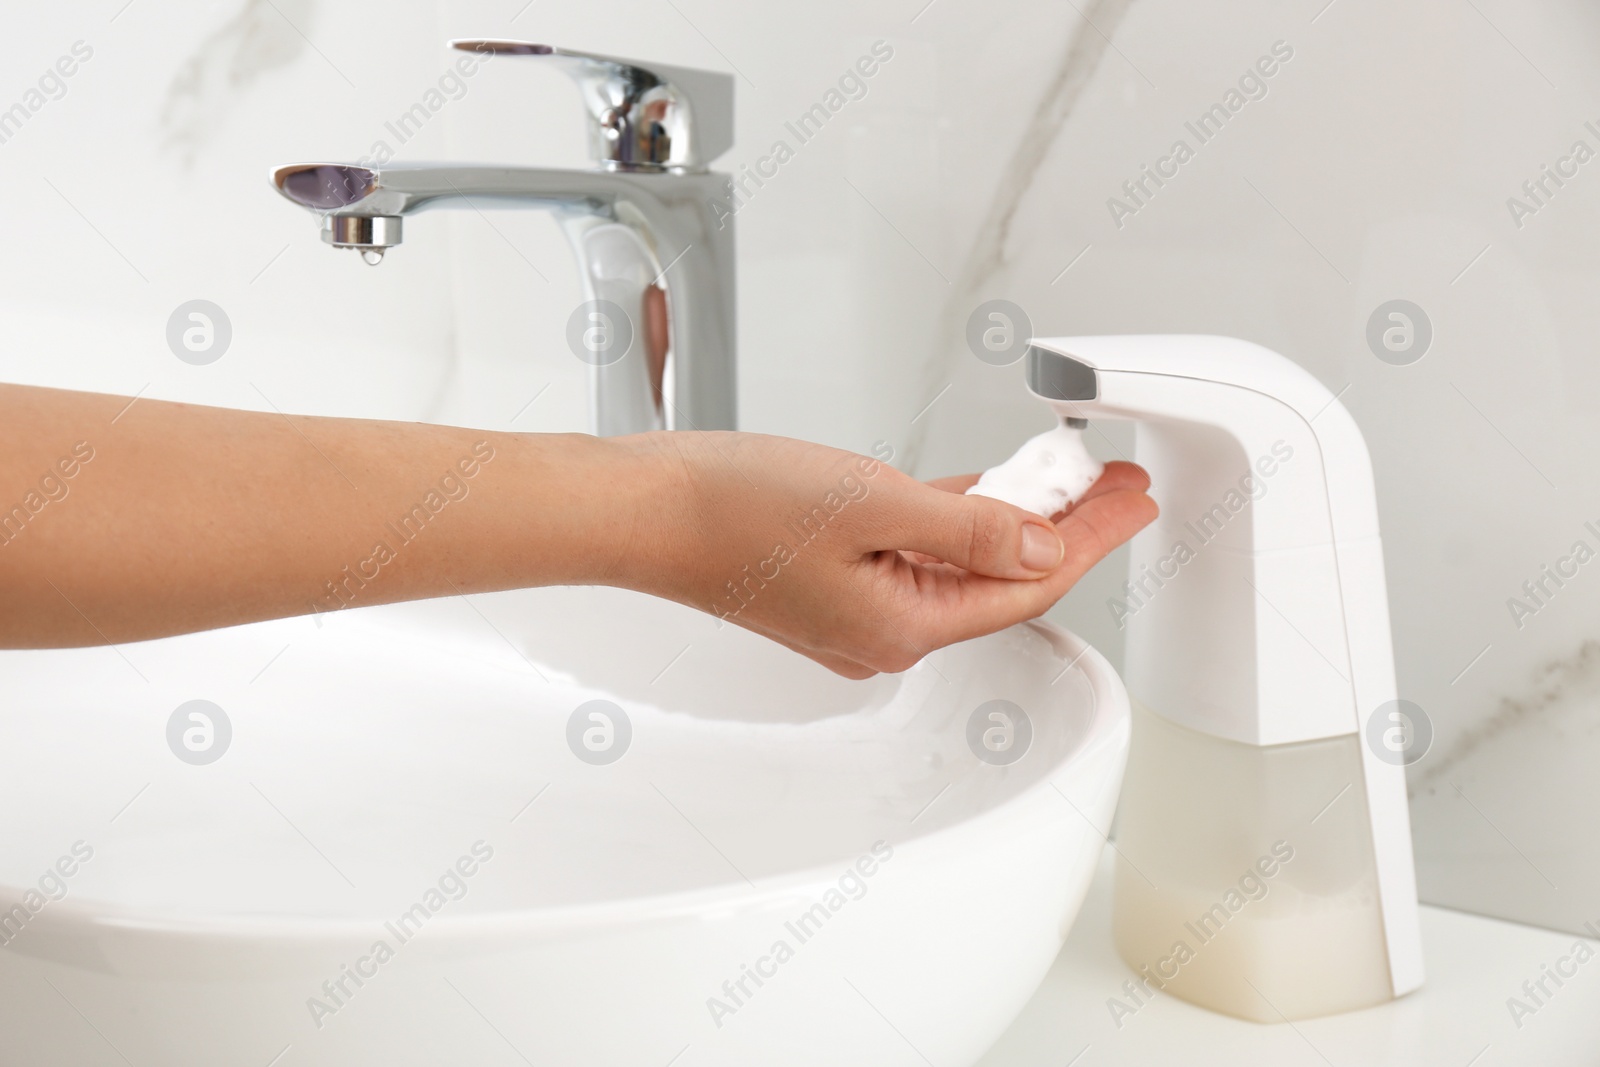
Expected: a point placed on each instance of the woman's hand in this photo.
(846, 560)
(123, 520)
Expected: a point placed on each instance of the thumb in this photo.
(981, 534)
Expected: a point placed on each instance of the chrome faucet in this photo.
(649, 226)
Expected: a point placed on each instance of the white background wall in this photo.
(979, 164)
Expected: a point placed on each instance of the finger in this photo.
(1118, 474)
(982, 604)
(954, 483)
(978, 533)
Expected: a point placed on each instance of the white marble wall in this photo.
(978, 165)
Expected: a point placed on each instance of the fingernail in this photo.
(1042, 549)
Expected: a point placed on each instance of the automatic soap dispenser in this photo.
(1264, 862)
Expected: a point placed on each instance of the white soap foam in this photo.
(1047, 473)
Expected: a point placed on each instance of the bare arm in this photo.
(176, 517)
(121, 522)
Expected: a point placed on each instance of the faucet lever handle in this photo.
(641, 115)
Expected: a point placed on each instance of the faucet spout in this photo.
(655, 257)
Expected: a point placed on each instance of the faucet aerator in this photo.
(371, 235)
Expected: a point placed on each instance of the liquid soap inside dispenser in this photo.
(1245, 877)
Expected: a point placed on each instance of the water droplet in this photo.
(372, 256)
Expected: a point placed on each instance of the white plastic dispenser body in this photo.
(1264, 848)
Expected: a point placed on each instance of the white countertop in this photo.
(1459, 1017)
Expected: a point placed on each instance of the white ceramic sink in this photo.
(375, 754)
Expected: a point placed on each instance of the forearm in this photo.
(168, 518)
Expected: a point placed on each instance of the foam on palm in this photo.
(1047, 473)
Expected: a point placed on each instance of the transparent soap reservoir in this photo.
(1245, 880)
